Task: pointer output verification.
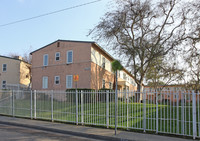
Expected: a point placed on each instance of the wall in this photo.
(11, 76)
(98, 74)
(81, 65)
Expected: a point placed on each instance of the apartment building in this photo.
(14, 73)
(54, 65)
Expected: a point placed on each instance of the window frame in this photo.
(45, 63)
(55, 80)
(57, 56)
(103, 83)
(43, 82)
(103, 62)
(3, 84)
(124, 76)
(70, 82)
(68, 56)
(4, 68)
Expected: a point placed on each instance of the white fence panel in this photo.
(171, 112)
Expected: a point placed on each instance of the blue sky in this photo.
(27, 36)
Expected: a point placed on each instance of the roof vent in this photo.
(58, 44)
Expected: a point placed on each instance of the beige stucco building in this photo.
(54, 65)
(14, 72)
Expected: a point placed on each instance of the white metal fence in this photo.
(171, 112)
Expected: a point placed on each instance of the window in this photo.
(69, 81)
(4, 67)
(45, 60)
(3, 84)
(57, 80)
(110, 85)
(69, 57)
(45, 82)
(103, 62)
(57, 56)
(132, 81)
(103, 84)
(124, 76)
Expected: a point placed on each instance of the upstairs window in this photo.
(124, 76)
(69, 57)
(57, 56)
(45, 60)
(4, 84)
(57, 80)
(4, 67)
(103, 62)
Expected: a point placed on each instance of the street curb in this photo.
(80, 134)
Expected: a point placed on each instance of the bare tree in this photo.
(192, 68)
(161, 74)
(143, 31)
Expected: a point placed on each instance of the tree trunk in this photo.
(138, 94)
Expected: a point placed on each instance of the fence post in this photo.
(31, 104)
(182, 112)
(13, 104)
(52, 92)
(194, 114)
(177, 112)
(76, 107)
(82, 109)
(34, 100)
(144, 110)
(156, 112)
(127, 98)
(107, 109)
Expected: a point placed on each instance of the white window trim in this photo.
(67, 81)
(67, 57)
(44, 60)
(58, 80)
(43, 85)
(58, 56)
(3, 68)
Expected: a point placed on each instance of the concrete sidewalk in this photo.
(84, 131)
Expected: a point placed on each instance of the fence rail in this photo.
(171, 112)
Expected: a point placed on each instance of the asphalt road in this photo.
(13, 133)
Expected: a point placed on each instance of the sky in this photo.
(27, 36)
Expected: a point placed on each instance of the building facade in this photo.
(14, 73)
(54, 65)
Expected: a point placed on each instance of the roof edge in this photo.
(60, 40)
(14, 59)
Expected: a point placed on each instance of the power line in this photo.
(50, 13)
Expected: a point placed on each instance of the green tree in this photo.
(116, 65)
